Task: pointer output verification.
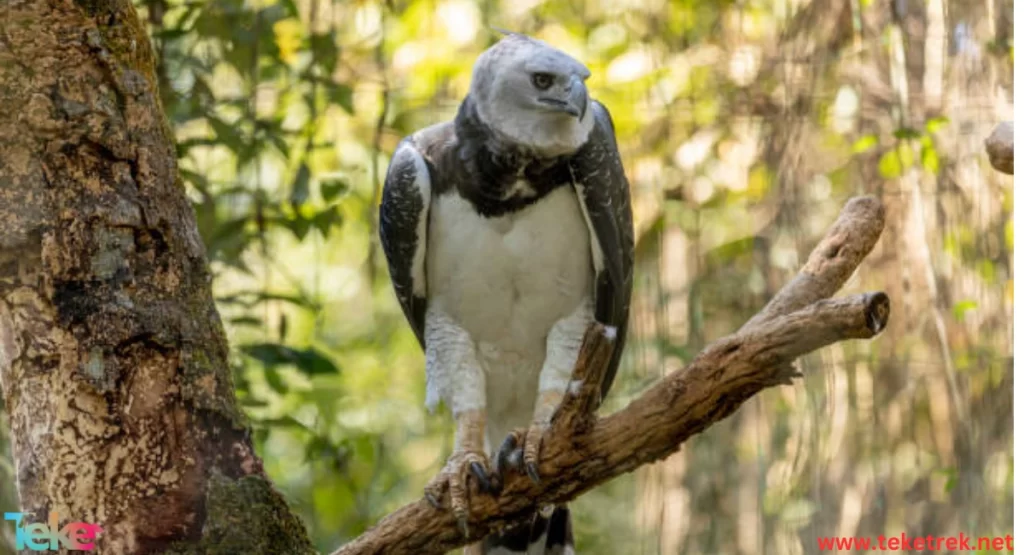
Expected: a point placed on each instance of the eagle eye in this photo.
(542, 81)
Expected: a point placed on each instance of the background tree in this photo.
(113, 359)
(744, 127)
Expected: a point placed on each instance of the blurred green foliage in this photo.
(744, 127)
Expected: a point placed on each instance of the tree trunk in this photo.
(113, 360)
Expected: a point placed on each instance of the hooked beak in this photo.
(577, 99)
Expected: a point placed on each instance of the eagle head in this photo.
(533, 95)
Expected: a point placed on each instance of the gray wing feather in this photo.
(403, 215)
(598, 173)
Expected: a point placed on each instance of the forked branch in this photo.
(580, 452)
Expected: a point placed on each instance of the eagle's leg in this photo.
(521, 449)
(468, 459)
(454, 375)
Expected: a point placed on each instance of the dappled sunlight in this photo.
(744, 128)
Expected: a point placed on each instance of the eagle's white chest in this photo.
(506, 281)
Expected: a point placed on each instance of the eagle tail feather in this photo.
(544, 535)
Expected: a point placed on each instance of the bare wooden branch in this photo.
(576, 413)
(800, 319)
(999, 146)
(832, 262)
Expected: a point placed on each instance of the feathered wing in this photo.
(404, 210)
(601, 184)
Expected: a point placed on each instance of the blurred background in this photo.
(744, 127)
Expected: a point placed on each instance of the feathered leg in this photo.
(521, 449)
(454, 374)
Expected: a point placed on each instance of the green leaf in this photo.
(282, 422)
(296, 300)
(320, 448)
(170, 34)
(249, 299)
(247, 321)
(933, 125)
(961, 308)
(299, 225)
(248, 154)
(930, 159)
(227, 134)
(275, 381)
(906, 133)
(342, 96)
(865, 143)
(325, 51)
(196, 179)
(326, 220)
(249, 402)
(308, 361)
(300, 187)
(331, 187)
(889, 166)
(279, 143)
(894, 163)
(282, 327)
(228, 240)
(952, 477)
(271, 354)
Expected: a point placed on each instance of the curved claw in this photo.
(432, 499)
(506, 456)
(515, 458)
(532, 472)
(453, 482)
(531, 450)
(521, 450)
(482, 476)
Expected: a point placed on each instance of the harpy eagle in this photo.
(507, 232)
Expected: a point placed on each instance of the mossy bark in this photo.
(113, 360)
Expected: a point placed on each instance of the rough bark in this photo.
(113, 360)
(580, 452)
(999, 146)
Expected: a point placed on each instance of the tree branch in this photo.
(582, 452)
(999, 146)
(832, 262)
